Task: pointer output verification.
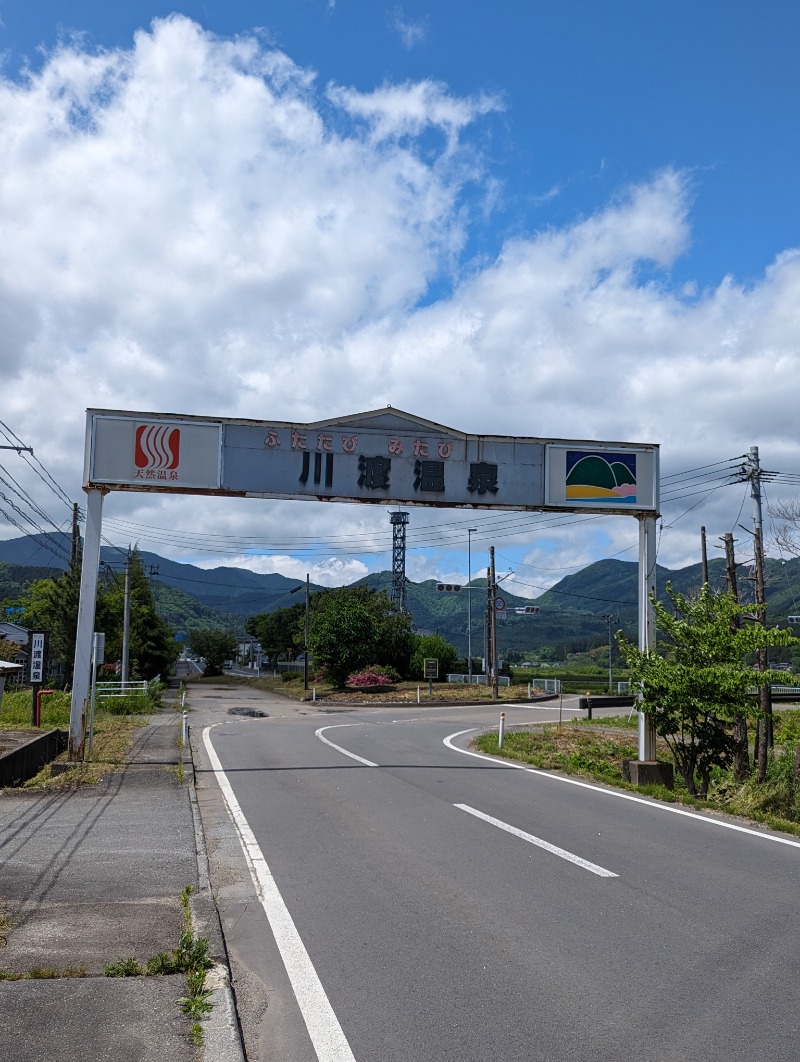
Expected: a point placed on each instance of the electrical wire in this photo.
(47, 479)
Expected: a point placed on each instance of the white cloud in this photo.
(332, 571)
(411, 33)
(408, 110)
(192, 225)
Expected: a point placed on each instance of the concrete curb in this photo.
(222, 1034)
(334, 706)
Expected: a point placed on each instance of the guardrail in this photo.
(120, 689)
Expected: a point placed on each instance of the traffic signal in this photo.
(528, 610)
(451, 587)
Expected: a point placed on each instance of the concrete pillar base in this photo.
(648, 772)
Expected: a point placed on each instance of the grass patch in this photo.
(45, 973)
(595, 750)
(620, 722)
(590, 753)
(17, 710)
(112, 740)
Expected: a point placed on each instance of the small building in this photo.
(8, 671)
(12, 632)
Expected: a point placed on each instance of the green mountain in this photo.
(572, 615)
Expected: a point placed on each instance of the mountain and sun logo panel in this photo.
(601, 477)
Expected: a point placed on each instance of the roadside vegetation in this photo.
(595, 750)
(290, 683)
(730, 750)
(116, 722)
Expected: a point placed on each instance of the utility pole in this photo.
(609, 618)
(126, 621)
(741, 756)
(730, 565)
(703, 556)
(764, 731)
(76, 536)
(762, 664)
(492, 626)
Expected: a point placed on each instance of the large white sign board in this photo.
(384, 457)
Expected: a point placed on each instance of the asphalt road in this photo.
(417, 903)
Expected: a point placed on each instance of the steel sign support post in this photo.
(470, 532)
(305, 646)
(647, 641)
(85, 629)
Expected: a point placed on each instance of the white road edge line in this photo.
(653, 805)
(330, 1043)
(344, 752)
(593, 868)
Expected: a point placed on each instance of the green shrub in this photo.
(17, 709)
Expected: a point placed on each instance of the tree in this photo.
(52, 605)
(9, 651)
(352, 627)
(786, 526)
(215, 647)
(279, 631)
(341, 637)
(693, 689)
(152, 646)
(428, 646)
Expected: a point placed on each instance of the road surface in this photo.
(387, 896)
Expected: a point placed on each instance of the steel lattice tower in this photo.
(399, 520)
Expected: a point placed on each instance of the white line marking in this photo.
(593, 868)
(330, 1043)
(344, 752)
(652, 804)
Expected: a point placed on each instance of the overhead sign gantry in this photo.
(383, 457)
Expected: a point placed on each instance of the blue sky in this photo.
(568, 219)
(596, 95)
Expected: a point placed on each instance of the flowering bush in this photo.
(374, 675)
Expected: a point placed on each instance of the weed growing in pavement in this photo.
(6, 922)
(190, 957)
(124, 968)
(45, 973)
(193, 954)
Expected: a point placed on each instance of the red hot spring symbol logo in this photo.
(157, 446)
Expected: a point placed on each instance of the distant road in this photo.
(454, 909)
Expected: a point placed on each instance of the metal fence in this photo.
(120, 689)
(478, 680)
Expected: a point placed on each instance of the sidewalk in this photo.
(89, 877)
